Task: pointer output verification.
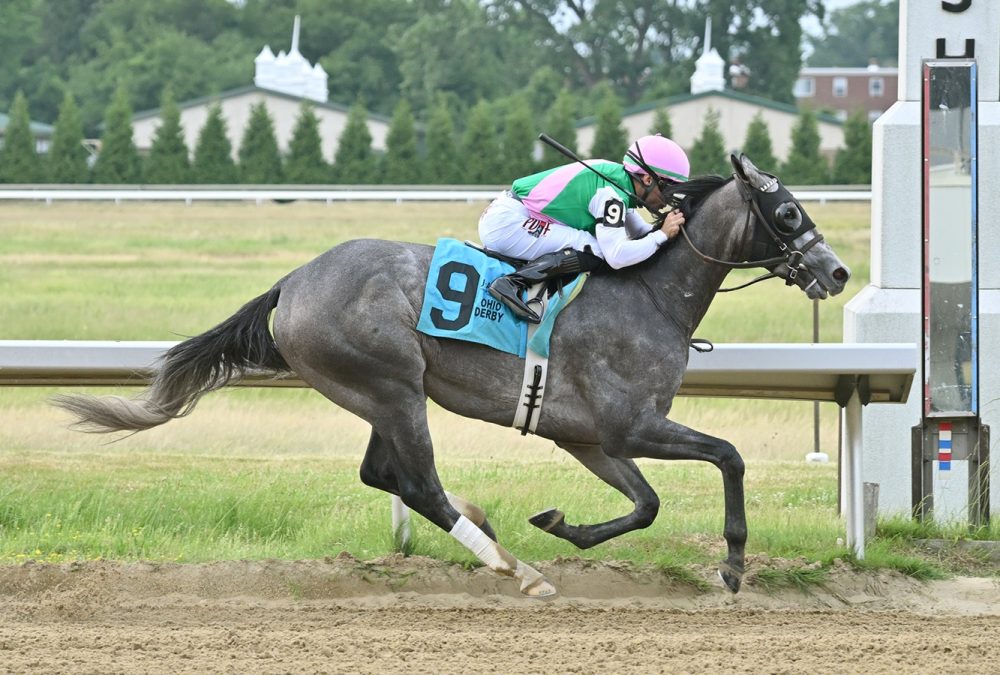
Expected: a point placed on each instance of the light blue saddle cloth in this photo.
(457, 303)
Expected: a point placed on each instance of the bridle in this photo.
(772, 241)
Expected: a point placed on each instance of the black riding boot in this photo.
(507, 289)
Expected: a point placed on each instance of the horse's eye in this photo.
(790, 213)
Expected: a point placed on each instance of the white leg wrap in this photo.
(484, 548)
(533, 583)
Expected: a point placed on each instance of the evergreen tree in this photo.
(213, 154)
(481, 148)
(67, 156)
(355, 162)
(709, 156)
(805, 165)
(168, 162)
(853, 163)
(610, 141)
(19, 161)
(118, 161)
(757, 145)
(443, 165)
(561, 128)
(662, 124)
(518, 141)
(305, 164)
(260, 161)
(401, 162)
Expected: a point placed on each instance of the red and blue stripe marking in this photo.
(944, 446)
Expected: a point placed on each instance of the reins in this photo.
(788, 255)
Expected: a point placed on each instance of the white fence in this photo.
(260, 194)
(850, 374)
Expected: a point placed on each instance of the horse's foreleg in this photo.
(621, 474)
(660, 438)
(378, 471)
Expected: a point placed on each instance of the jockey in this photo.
(567, 219)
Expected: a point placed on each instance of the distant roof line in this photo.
(37, 128)
(861, 70)
(240, 91)
(724, 93)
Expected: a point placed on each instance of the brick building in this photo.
(841, 91)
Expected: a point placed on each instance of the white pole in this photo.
(400, 523)
(854, 506)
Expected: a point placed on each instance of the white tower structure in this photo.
(709, 69)
(290, 73)
(889, 308)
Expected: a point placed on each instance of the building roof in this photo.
(37, 128)
(862, 70)
(724, 93)
(240, 91)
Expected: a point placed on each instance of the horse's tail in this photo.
(188, 371)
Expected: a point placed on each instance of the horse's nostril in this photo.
(840, 274)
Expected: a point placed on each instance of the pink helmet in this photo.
(661, 155)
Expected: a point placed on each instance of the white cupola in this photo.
(709, 69)
(290, 73)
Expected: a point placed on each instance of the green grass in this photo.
(130, 503)
(273, 473)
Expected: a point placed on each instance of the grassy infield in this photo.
(262, 473)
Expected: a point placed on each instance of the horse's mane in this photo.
(689, 196)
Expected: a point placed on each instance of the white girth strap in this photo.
(529, 402)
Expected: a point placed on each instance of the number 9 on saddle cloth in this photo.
(459, 302)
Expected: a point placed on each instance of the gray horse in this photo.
(345, 323)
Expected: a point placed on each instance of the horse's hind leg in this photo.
(621, 474)
(378, 471)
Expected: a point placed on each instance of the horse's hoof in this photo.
(546, 520)
(731, 576)
(539, 589)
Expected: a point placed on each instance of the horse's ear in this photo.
(737, 162)
(748, 171)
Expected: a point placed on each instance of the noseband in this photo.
(775, 244)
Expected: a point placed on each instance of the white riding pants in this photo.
(507, 228)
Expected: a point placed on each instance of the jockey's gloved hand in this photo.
(671, 223)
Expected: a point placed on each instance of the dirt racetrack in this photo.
(416, 615)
